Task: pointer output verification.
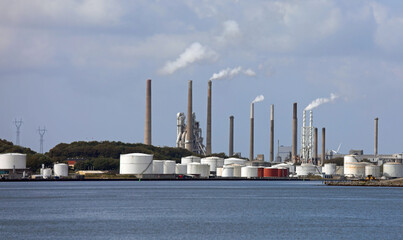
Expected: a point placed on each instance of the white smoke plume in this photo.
(230, 73)
(317, 102)
(258, 99)
(195, 52)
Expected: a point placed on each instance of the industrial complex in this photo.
(288, 164)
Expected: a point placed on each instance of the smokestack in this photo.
(251, 132)
(231, 136)
(294, 133)
(147, 133)
(208, 134)
(323, 146)
(272, 134)
(376, 137)
(315, 153)
(189, 124)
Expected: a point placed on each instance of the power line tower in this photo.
(41, 133)
(18, 124)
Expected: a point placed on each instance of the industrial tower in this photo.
(41, 134)
(18, 124)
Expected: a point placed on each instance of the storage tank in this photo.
(329, 169)
(373, 170)
(181, 169)
(190, 159)
(198, 169)
(393, 170)
(306, 169)
(169, 167)
(219, 172)
(350, 158)
(249, 172)
(355, 169)
(158, 166)
(237, 169)
(270, 172)
(260, 171)
(213, 162)
(239, 161)
(136, 163)
(291, 168)
(13, 160)
(47, 173)
(228, 171)
(61, 170)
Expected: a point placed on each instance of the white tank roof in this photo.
(137, 154)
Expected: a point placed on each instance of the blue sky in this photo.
(80, 68)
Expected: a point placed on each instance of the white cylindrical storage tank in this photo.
(239, 161)
(228, 171)
(219, 172)
(249, 171)
(136, 163)
(190, 159)
(46, 173)
(355, 169)
(61, 170)
(213, 162)
(373, 170)
(291, 168)
(158, 166)
(393, 170)
(198, 169)
(306, 169)
(13, 160)
(329, 169)
(237, 169)
(350, 158)
(169, 167)
(181, 169)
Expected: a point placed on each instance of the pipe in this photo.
(147, 129)
(251, 131)
(272, 133)
(376, 138)
(323, 146)
(208, 134)
(189, 124)
(294, 133)
(231, 136)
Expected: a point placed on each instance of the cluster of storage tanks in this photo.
(139, 163)
(354, 168)
(59, 170)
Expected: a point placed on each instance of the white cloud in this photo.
(194, 53)
(230, 31)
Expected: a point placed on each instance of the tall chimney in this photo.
(272, 134)
(322, 161)
(189, 124)
(294, 133)
(147, 132)
(315, 153)
(376, 138)
(231, 136)
(208, 134)
(251, 132)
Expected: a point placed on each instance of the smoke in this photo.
(258, 99)
(195, 52)
(231, 73)
(317, 102)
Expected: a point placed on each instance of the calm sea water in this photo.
(198, 210)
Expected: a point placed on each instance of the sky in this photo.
(79, 68)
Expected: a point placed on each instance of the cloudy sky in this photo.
(79, 68)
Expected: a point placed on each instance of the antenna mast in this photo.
(18, 124)
(41, 133)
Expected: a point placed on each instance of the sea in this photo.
(198, 210)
